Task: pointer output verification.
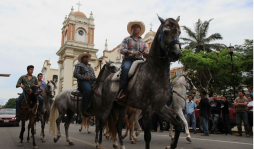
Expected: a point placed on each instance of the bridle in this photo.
(164, 44)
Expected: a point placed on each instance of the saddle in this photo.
(76, 95)
(132, 74)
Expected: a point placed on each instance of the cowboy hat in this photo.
(82, 55)
(140, 23)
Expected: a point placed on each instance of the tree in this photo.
(212, 71)
(11, 103)
(247, 66)
(199, 41)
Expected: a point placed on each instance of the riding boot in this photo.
(17, 117)
(121, 95)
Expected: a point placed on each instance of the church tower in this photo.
(77, 38)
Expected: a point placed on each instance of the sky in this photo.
(31, 30)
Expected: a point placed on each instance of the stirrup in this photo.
(119, 94)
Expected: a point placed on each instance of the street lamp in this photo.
(100, 60)
(231, 50)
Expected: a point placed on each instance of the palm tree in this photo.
(197, 40)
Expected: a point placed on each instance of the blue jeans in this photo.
(242, 116)
(85, 87)
(191, 116)
(124, 74)
(204, 123)
(215, 119)
(18, 103)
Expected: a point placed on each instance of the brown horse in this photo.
(28, 112)
(131, 120)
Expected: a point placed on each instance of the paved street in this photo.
(9, 139)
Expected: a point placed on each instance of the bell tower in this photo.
(77, 38)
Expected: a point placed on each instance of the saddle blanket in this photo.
(76, 95)
(133, 72)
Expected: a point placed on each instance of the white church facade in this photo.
(77, 38)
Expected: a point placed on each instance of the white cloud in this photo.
(31, 30)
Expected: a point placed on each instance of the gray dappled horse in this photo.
(65, 105)
(48, 92)
(180, 86)
(151, 90)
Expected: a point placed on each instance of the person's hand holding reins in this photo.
(87, 78)
(136, 53)
(22, 86)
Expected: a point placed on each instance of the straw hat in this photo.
(83, 54)
(140, 23)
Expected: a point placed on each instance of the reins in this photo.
(184, 86)
(34, 108)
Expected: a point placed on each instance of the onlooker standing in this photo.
(156, 119)
(250, 90)
(215, 112)
(225, 115)
(190, 108)
(204, 113)
(241, 113)
(250, 113)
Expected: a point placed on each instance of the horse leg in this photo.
(42, 128)
(127, 127)
(119, 125)
(132, 129)
(180, 114)
(58, 122)
(102, 123)
(146, 123)
(28, 135)
(67, 124)
(171, 131)
(165, 113)
(137, 116)
(97, 131)
(32, 121)
(88, 124)
(22, 132)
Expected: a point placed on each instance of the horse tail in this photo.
(112, 122)
(52, 118)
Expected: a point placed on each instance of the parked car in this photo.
(7, 117)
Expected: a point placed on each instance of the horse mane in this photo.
(54, 83)
(171, 20)
(100, 75)
(174, 83)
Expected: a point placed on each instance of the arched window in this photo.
(80, 35)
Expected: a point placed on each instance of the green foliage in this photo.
(198, 39)
(212, 71)
(11, 103)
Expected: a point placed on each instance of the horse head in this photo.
(50, 88)
(169, 32)
(111, 66)
(189, 85)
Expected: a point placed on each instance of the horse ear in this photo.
(178, 19)
(106, 61)
(162, 20)
(48, 81)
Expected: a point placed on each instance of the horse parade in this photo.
(109, 81)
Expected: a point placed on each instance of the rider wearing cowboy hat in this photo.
(132, 48)
(85, 76)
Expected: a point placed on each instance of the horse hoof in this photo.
(71, 143)
(89, 132)
(172, 139)
(43, 140)
(115, 146)
(136, 139)
(188, 139)
(107, 137)
(20, 144)
(133, 142)
(55, 140)
(137, 133)
(35, 147)
(168, 147)
(79, 130)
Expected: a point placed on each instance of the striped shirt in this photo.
(130, 44)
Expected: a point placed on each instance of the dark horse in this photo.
(48, 92)
(65, 105)
(28, 112)
(151, 90)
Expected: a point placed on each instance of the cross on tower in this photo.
(151, 26)
(79, 5)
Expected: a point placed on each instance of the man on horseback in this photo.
(132, 48)
(42, 85)
(25, 82)
(85, 77)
